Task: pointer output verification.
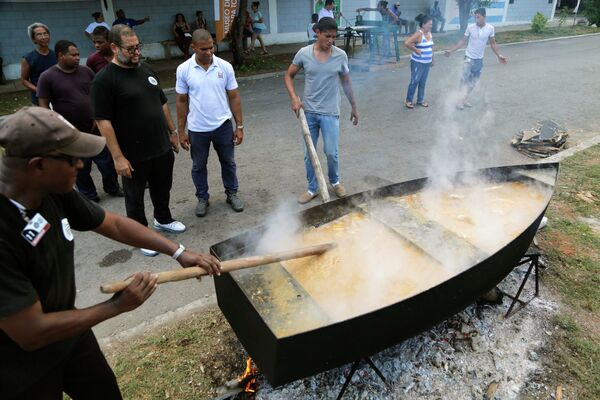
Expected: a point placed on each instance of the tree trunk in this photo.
(237, 32)
(464, 11)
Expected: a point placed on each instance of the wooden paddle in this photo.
(314, 159)
(227, 266)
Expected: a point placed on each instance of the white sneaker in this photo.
(148, 252)
(173, 227)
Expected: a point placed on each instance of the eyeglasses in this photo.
(42, 34)
(134, 49)
(69, 159)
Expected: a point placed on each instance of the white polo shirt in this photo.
(326, 13)
(478, 39)
(207, 92)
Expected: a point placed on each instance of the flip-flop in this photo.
(409, 104)
(423, 104)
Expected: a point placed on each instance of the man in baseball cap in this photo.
(47, 346)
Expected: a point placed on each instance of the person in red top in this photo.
(103, 54)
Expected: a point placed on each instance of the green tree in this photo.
(592, 11)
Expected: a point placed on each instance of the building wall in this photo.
(293, 15)
(524, 10)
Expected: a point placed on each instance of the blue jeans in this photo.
(222, 140)
(329, 126)
(471, 71)
(418, 78)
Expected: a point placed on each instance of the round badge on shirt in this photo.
(152, 80)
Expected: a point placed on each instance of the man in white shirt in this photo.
(207, 98)
(478, 35)
(98, 21)
(327, 10)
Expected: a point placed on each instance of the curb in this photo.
(586, 144)
(390, 66)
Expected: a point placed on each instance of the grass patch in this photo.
(11, 102)
(573, 249)
(184, 360)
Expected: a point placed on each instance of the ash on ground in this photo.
(473, 355)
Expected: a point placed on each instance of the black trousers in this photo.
(158, 172)
(85, 374)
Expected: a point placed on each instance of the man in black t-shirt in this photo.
(67, 86)
(46, 345)
(132, 113)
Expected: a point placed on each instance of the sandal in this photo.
(409, 104)
(423, 104)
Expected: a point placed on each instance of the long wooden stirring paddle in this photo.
(227, 266)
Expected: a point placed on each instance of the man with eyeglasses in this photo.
(67, 86)
(47, 345)
(207, 98)
(132, 113)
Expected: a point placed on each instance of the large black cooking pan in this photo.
(283, 359)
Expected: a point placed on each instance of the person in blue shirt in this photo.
(130, 22)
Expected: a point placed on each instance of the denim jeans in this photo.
(471, 71)
(418, 78)
(106, 166)
(329, 126)
(222, 140)
(158, 172)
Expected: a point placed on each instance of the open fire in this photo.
(248, 380)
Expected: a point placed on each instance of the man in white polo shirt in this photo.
(327, 10)
(207, 96)
(478, 35)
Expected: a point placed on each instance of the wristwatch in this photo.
(178, 252)
(240, 127)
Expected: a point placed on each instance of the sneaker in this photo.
(201, 208)
(307, 196)
(467, 104)
(339, 190)
(118, 193)
(173, 227)
(148, 252)
(235, 202)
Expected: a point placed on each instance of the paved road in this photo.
(554, 79)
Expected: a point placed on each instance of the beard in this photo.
(126, 61)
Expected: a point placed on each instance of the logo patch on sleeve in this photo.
(152, 80)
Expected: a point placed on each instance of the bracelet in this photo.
(178, 252)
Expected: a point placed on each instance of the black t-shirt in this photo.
(45, 272)
(131, 98)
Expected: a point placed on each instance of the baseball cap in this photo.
(37, 131)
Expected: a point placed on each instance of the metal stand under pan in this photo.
(534, 263)
(355, 366)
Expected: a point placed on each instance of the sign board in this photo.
(225, 11)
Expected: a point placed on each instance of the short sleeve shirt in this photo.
(90, 28)
(322, 79)
(45, 272)
(69, 94)
(96, 62)
(130, 22)
(478, 39)
(131, 99)
(325, 13)
(207, 92)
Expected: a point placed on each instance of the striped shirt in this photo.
(426, 47)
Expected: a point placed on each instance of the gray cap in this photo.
(37, 131)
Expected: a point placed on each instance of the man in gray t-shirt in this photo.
(324, 67)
